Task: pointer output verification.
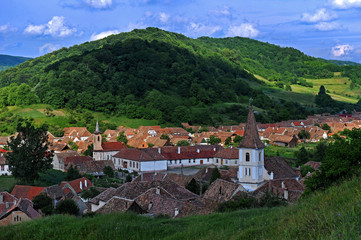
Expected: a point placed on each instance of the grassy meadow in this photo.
(7, 183)
(61, 116)
(338, 87)
(333, 214)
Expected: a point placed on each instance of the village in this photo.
(156, 167)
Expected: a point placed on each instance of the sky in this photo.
(328, 29)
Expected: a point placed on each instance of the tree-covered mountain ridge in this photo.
(155, 74)
(7, 61)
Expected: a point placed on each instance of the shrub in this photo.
(67, 206)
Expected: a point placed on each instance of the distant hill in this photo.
(344, 63)
(155, 74)
(7, 61)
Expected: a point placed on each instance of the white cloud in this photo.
(102, 35)
(201, 29)
(163, 17)
(225, 12)
(99, 3)
(6, 28)
(243, 30)
(55, 27)
(321, 15)
(341, 50)
(48, 48)
(327, 26)
(345, 4)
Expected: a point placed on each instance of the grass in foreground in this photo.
(333, 214)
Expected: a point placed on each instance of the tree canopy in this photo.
(29, 153)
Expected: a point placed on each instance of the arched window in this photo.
(247, 157)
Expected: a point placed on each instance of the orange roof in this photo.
(78, 185)
(29, 192)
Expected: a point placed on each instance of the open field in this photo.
(333, 214)
(61, 117)
(338, 87)
(6, 183)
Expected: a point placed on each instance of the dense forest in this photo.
(7, 61)
(154, 74)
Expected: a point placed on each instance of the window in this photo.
(249, 172)
(260, 156)
(98, 138)
(245, 171)
(137, 165)
(216, 160)
(235, 162)
(2, 168)
(194, 160)
(247, 157)
(86, 183)
(226, 161)
(189, 161)
(81, 185)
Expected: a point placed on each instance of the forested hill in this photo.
(7, 61)
(155, 74)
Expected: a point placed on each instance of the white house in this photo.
(140, 160)
(4, 166)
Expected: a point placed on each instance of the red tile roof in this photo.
(137, 154)
(29, 192)
(113, 146)
(228, 153)
(77, 159)
(75, 184)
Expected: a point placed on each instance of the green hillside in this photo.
(158, 75)
(7, 61)
(333, 214)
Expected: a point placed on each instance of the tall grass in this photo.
(333, 214)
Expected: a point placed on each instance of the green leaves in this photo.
(29, 152)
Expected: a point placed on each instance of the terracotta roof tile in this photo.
(29, 192)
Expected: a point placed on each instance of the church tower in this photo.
(251, 156)
(97, 139)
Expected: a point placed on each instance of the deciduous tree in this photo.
(29, 153)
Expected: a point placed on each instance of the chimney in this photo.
(1, 198)
(285, 194)
(179, 149)
(176, 212)
(198, 150)
(159, 150)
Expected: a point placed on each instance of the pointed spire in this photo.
(97, 127)
(97, 131)
(251, 137)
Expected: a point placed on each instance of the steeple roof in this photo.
(251, 137)
(97, 129)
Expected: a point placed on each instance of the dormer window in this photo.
(81, 185)
(86, 183)
(247, 157)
